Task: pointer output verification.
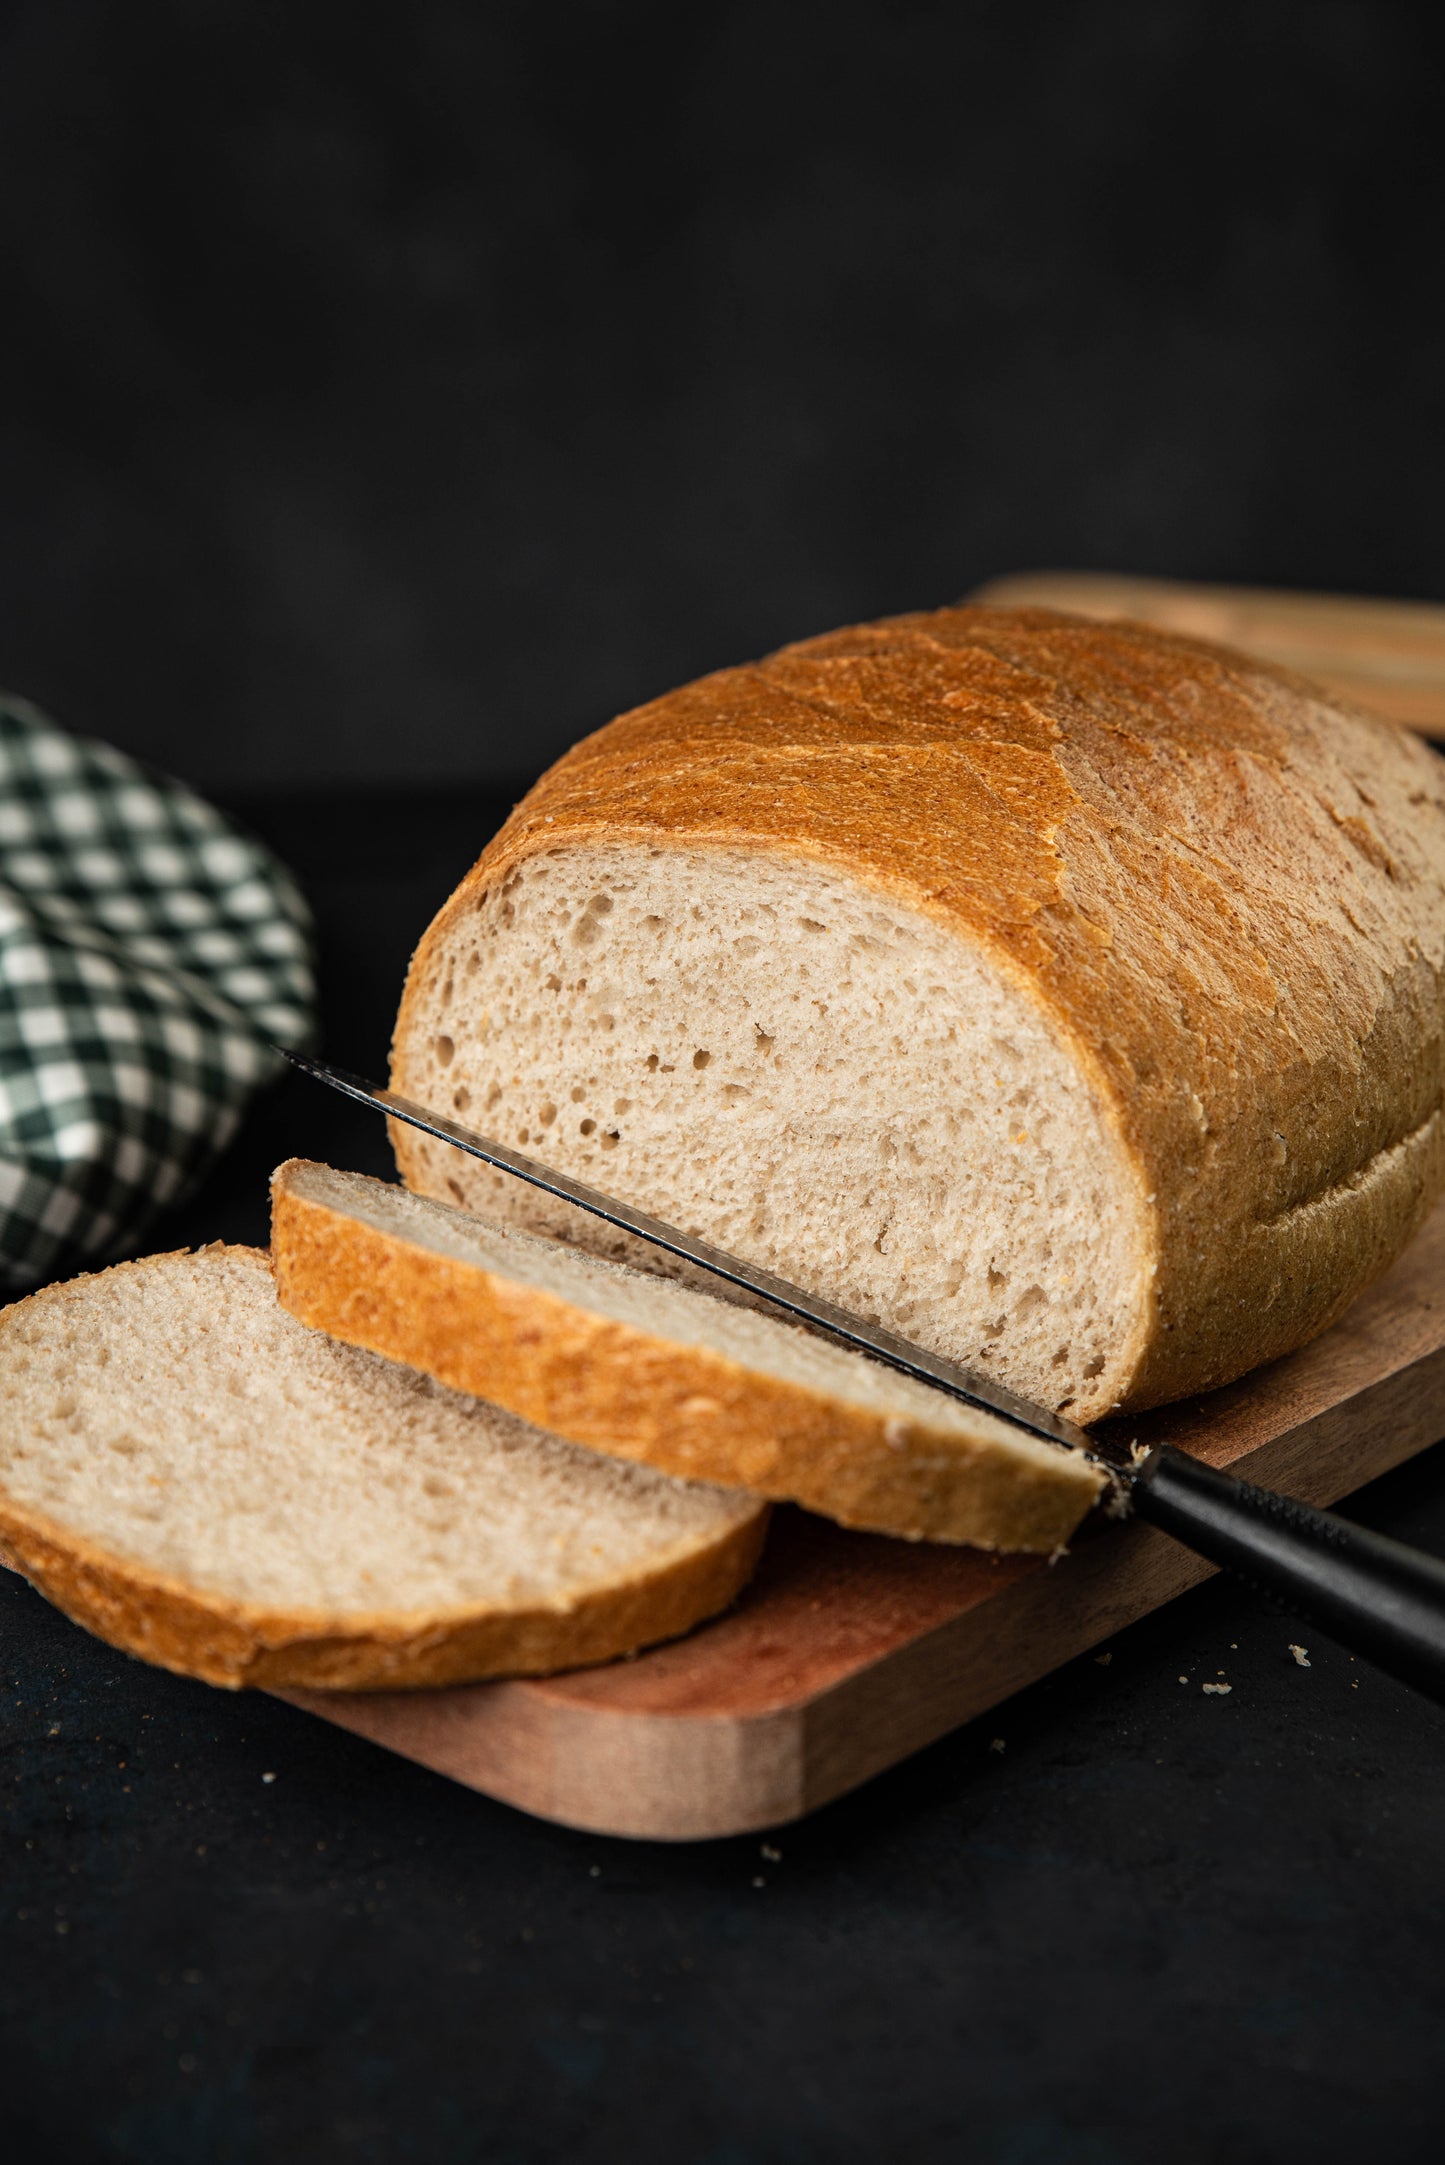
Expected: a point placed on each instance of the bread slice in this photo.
(1066, 995)
(636, 1366)
(189, 1473)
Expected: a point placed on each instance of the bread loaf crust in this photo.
(1224, 890)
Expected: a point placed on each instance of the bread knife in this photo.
(1375, 1595)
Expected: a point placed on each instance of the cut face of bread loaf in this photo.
(1066, 996)
(835, 1089)
(191, 1474)
(625, 1362)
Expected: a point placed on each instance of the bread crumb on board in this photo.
(1301, 1655)
(1219, 1688)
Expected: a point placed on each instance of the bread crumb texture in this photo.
(189, 1472)
(1065, 995)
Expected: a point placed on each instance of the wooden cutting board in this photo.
(851, 1651)
(1388, 655)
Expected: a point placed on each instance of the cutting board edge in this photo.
(1309, 1461)
(645, 1775)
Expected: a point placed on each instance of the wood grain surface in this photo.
(851, 1651)
(1386, 655)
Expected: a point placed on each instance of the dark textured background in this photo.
(390, 394)
(400, 391)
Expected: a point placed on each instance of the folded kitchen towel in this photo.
(151, 956)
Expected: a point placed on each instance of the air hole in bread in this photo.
(701, 1058)
(445, 1051)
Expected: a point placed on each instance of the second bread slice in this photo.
(644, 1369)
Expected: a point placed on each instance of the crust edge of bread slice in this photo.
(681, 1409)
(167, 1621)
(243, 1646)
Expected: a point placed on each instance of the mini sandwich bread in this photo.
(1066, 996)
(632, 1365)
(192, 1475)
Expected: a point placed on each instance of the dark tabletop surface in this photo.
(1157, 1924)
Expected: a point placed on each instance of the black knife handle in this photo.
(1376, 1596)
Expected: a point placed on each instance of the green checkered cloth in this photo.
(150, 958)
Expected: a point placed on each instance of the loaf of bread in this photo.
(194, 1476)
(624, 1362)
(1065, 995)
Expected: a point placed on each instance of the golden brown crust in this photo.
(682, 1409)
(1225, 891)
(163, 1621)
(238, 1645)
